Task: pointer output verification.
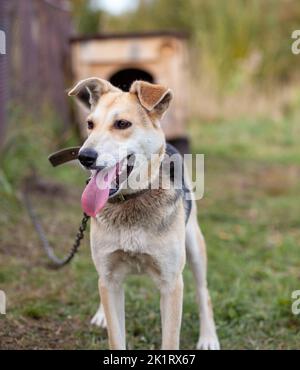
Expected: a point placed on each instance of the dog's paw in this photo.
(99, 319)
(208, 343)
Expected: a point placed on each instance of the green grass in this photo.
(250, 217)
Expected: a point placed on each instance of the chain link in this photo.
(76, 244)
(56, 262)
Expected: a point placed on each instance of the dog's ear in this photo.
(89, 91)
(154, 98)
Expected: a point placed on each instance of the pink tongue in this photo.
(96, 193)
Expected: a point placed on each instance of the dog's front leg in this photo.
(171, 312)
(112, 298)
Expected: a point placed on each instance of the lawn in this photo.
(250, 216)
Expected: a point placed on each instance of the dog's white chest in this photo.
(133, 241)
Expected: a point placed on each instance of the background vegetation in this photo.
(241, 59)
(245, 119)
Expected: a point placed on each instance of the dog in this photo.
(143, 229)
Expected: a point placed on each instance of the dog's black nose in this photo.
(87, 157)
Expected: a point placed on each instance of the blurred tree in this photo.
(234, 40)
(87, 19)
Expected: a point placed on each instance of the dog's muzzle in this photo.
(88, 157)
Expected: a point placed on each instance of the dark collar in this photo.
(64, 155)
(119, 198)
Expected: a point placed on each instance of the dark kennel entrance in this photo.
(125, 77)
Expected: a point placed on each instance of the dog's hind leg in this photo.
(196, 254)
(99, 318)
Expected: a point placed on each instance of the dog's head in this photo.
(124, 134)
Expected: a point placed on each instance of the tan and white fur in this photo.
(128, 237)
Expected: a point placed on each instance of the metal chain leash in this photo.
(56, 261)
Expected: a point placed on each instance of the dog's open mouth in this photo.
(123, 171)
(105, 183)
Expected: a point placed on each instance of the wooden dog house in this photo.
(159, 57)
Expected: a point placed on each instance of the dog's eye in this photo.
(90, 124)
(122, 124)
